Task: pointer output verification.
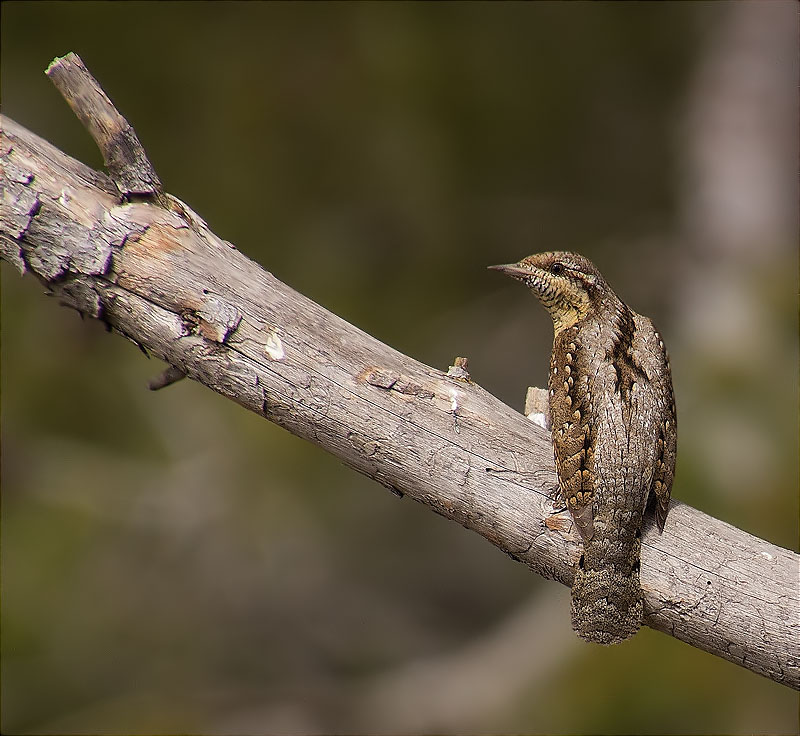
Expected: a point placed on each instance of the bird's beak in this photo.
(512, 269)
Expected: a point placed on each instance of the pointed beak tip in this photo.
(511, 269)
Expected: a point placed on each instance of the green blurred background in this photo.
(172, 563)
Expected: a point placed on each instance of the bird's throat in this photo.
(566, 317)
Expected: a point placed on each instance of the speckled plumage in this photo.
(613, 423)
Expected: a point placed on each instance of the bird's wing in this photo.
(572, 433)
(649, 348)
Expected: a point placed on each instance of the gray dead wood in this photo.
(153, 271)
(123, 155)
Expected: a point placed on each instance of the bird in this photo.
(614, 432)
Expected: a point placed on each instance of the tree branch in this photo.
(146, 265)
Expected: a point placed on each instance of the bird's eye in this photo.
(557, 268)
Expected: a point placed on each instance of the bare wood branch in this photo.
(123, 155)
(162, 278)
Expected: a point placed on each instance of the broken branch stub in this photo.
(123, 154)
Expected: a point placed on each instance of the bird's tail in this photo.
(606, 604)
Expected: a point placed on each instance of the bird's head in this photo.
(567, 284)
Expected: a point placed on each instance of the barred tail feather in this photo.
(606, 605)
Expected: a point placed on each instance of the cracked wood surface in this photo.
(158, 275)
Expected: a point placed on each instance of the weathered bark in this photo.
(151, 269)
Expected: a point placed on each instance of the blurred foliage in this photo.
(172, 563)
